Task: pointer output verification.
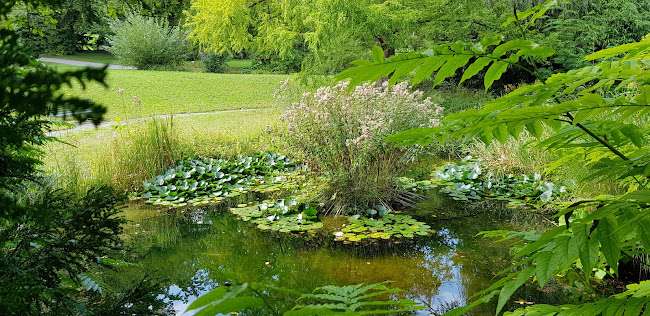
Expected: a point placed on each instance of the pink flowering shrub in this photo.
(341, 137)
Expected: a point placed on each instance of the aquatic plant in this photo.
(468, 180)
(393, 226)
(284, 215)
(201, 181)
(410, 184)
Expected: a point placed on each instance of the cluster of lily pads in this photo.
(386, 227)
(466, 180)
(284, 215)
(202, 181)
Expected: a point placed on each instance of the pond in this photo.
(183, 252)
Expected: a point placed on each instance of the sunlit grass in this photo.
(124, 155)
(95, 57)
(172, 92)
(169, 92)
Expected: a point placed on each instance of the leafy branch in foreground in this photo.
(597, 114)
(446, 59)
(356, 299)
(630, 302)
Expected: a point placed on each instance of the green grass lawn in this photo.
(240, 63)
(123, 155)
(169, 92)
(95, 57)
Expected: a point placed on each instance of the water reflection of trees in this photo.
(187, 249)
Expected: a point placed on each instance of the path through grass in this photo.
(169, 92)
(95, 57)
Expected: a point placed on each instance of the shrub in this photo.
(341, 137)
(216, 62)
(146, 41)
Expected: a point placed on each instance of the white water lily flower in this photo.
(339, 234)
(300, 216)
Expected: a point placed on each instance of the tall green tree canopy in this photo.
(333, 31)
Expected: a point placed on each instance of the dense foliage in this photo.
(49, 244)
(146, 41)
(324, 36)
(597, 114)
(47, 238)
(76, 25)
(468, 180)
(216, 62)
(358, 168)
(201, 181)
(358, 299)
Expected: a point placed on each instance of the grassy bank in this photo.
(148, 93)
(124, 155)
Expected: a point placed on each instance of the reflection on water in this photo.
(184, 251)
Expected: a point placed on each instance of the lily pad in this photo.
(394, 226)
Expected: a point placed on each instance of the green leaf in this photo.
(517, 44)
(610, 244)
(218, 295)
(567, 250)
(501, 133)
(613, 52)
(430, 65)
(377, 54)
(494, 73)
(535, 128)
(643, 231)
(450, 67)
(231, 305)
(587, 247)
(474, 68)
(545, 265)
(511, 286)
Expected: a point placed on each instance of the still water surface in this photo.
(183, 253)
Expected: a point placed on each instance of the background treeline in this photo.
(322, 37)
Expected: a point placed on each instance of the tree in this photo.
(597, 114)
(331, 31)
(46, 236)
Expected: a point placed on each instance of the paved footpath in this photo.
(82, 63)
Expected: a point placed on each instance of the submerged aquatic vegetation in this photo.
(392, 226)
(201, 181)
(283, 215)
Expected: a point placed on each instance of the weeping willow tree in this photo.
(331, 33)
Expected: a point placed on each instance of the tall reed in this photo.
(126, 156)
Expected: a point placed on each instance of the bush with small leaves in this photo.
(145, 42)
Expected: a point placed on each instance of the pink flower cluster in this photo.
(362, 118)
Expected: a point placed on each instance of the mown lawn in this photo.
(170, 92)
(95, 57)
